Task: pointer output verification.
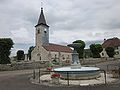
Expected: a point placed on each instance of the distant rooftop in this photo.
(112, 42)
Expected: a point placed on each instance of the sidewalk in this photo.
(46, 80)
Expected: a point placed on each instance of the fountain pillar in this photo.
(75, 57)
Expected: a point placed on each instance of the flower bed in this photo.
(55, 78)
(55, 75)
(49, 68)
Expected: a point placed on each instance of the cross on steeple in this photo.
(41, 4)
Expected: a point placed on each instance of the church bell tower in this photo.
(42, 31)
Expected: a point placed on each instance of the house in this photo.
(45, 51)
(112, 42)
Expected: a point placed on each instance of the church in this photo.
(45, 51)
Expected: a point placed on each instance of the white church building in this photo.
(45, 51)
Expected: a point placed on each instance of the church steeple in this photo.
(42, 20)
(42, 31)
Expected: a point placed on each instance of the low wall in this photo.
(95, 60)
(23, 65)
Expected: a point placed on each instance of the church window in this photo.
(63, 57)
(45, 31)
(38, 31)
(68, 57)
(55, 55)
(38, 54)
(40, 57)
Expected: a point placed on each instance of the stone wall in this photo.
(23, 65)
(95, 60)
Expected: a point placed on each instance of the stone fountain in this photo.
(75, 70)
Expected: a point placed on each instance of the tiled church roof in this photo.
(57, 48)
(111, 42)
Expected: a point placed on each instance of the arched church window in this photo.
(40, 57)
(38, 54)
(38, 31)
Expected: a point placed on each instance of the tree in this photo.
(96, 49)
(20, 55)
(5, 46)
(110, 51)
(29, 52)
(80, 50)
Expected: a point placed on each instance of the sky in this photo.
(89, 20)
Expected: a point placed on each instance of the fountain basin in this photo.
(78, 73)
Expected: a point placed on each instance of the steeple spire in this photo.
(41, 18)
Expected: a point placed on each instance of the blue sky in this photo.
(69, 20)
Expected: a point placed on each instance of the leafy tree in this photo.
(20, 55)
(29, 52)
(80, 50)
(5, 46)
(110, 51)
(96, 49)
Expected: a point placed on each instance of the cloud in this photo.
(89, 20)
(21, 35)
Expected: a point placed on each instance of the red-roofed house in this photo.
(45, 51)
(112, 42)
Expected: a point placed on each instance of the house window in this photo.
(117, 53)
(116, 47)
(102, 54)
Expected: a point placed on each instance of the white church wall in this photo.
(34, 55)
(61, 56)
(66, 56)
(44, 54)
(54, 55)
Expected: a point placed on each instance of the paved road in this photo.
(21, 81)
